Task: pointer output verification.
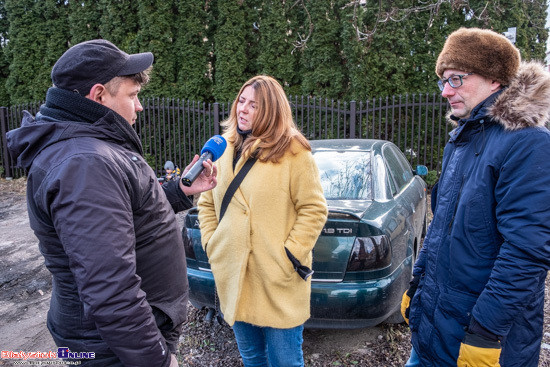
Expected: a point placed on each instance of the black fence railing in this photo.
(176, 129)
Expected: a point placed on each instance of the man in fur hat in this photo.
(477, 295)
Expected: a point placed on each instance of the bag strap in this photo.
(234, 184)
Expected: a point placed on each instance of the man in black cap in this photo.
(106, 228)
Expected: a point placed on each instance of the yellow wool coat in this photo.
(277, 205)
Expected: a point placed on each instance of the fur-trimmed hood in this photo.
(526, 101)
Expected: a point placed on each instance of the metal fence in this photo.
(176, 129)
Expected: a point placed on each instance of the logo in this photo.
(66, 353)
(48, 358)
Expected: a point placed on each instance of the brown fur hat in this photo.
(479, 51)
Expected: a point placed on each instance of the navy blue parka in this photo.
(487, 251)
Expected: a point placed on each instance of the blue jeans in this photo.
(269, 347)
(414, 360)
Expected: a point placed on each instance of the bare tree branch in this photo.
(301, 44)
(396, 14)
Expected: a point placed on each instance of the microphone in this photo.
(213, 149)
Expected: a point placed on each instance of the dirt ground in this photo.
(25, 288)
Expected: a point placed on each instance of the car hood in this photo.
(354, 207)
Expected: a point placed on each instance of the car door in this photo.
(400, 177)
(414, 194)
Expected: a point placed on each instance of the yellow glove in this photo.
(405, 304)
(478, 351)
(407, 296)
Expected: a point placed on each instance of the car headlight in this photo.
(370, 253)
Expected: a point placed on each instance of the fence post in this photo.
(4, 130)
(352, 118)
(216, 118)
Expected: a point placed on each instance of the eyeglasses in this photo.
(455, 81)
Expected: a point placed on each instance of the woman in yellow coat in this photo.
(278, 207)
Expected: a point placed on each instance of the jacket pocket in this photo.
(282, 259)
(452, 316)
(480, 228)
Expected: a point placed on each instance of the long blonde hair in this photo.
(273, 125)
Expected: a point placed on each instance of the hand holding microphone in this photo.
(212, 150)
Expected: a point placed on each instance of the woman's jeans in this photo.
(414, 360)
(269, 347)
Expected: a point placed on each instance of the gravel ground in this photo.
(25, 289)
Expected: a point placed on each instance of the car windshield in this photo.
(345, 175)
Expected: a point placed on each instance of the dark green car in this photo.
(363, 258)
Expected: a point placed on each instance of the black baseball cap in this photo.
(96, 61)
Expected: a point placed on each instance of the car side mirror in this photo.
(421, 170)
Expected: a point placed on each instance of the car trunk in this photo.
(332, 250)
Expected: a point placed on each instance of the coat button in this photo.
(135, 159)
